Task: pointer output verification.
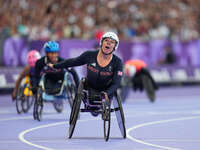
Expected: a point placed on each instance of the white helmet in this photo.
(111, 35)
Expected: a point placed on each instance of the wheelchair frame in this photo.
(104, 109)
(66, 92)
(25, 97)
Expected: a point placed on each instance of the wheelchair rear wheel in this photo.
(25, 104)
(35, 109)
(119, 113)
(28, 98)
(38, 106)
(74, 115)
(75, 109)
(148, 86)
(19, 100)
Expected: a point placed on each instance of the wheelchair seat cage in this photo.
(52, 87)
(54, 91)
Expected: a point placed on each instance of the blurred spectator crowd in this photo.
(88, 19)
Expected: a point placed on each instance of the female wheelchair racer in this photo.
(138, 76)
(22, 92)
(104, 73)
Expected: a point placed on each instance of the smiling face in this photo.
(108, 46)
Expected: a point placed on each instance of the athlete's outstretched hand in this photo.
(50, 65)
(14, 95)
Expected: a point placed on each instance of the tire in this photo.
(71, 92)
(39, 105)
(119, 114)
(19, 100)
(28, 100)
(26, 104)
(149, 88)
(31, 101)
(73, 110)
(35, 109)
(74, 115)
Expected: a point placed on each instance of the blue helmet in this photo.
(51, 46)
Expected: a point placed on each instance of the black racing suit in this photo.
(41, 67)
(105, 79)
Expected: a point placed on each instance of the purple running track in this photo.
(170, 123)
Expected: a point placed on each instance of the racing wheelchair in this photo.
(140, 81)
(54, 91)
(95, 103)
(25, 97)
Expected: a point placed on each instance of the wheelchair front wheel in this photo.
(106, 118)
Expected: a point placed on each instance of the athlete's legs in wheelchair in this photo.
(56, 86)
(52, 85)
(94, 97)
(97, 98)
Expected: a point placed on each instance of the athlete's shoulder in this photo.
(116, 58)
(27, 68)
(91, 52)
(40, 61)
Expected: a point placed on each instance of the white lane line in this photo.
(153, 123)
(22, 139)
(128, 136)
(173, 140)
(21, 135)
